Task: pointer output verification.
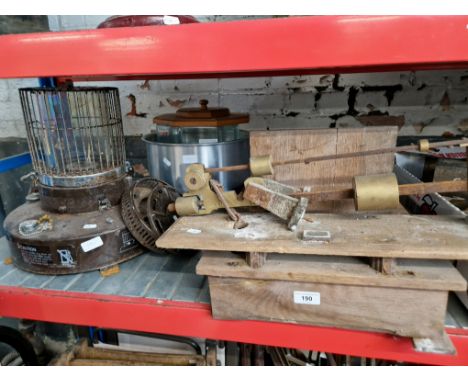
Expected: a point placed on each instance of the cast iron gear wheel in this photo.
(144, 210)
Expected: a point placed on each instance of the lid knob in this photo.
(204, 104)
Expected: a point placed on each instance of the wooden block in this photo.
(397, 236)
(386, 266)
(256, 259)
(8, 261)
(109, 271)
(292, 144)
(411, 313)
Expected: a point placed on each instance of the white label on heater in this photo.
(91, 244)
(89, 226)
(308, 298)
(167, 162)
(171, 20)
(187, 159)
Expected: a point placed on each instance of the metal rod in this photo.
(412, 147)
(404, 189)
(72, 131)
(66, 124)
(397, 149)
(238, 167)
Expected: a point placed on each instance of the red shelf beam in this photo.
(195, 320)
(282, 46)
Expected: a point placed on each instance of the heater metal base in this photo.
(68, 243)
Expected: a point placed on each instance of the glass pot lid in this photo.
(202, 116)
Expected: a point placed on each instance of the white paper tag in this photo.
(194, 231)
(187, 159)
(167, 162)
(208, 140)
(171, 20)
(308, 298)
(91, 244)
(89, 226)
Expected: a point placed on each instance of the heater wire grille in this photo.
(74, 132)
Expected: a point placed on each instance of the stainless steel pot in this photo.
(168, 161)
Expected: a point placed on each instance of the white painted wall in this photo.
(428, 102)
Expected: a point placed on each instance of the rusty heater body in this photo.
(71, 221)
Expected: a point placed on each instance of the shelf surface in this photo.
(152, 276)
(160, 293)
(278, 46)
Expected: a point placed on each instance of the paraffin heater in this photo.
(71, 221)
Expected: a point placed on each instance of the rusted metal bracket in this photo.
(233, 214)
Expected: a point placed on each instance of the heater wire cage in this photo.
(75, 135)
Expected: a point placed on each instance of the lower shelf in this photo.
(161, 294)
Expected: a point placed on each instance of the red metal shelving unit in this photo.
(283, 46)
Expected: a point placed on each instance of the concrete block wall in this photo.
(420, 103)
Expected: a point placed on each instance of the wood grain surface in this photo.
(399, 236)
(412, 313)
(298, 144)
(414, 274)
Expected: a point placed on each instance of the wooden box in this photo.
(333, 291)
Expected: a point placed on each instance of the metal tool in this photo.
(370, 193)
(205, 197)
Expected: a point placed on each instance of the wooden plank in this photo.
(412, 313)
(399, 236)
(413, 274)
(292, 144)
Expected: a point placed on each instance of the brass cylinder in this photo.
(376, 192)
(261, 165)
(423, 145)
(186, 205)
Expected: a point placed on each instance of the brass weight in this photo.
(423, 145)
(376, 192)
(261, 165)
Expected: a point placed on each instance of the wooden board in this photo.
(414, 274)
(405, 312)
(292, 144)
(399, 236)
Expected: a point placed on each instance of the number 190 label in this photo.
(308, 298)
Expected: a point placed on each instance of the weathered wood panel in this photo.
(298, 144)
(399, 236)
(411, 313)
(413, 274)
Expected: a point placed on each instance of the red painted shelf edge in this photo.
(194, 319)
(279, 46)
